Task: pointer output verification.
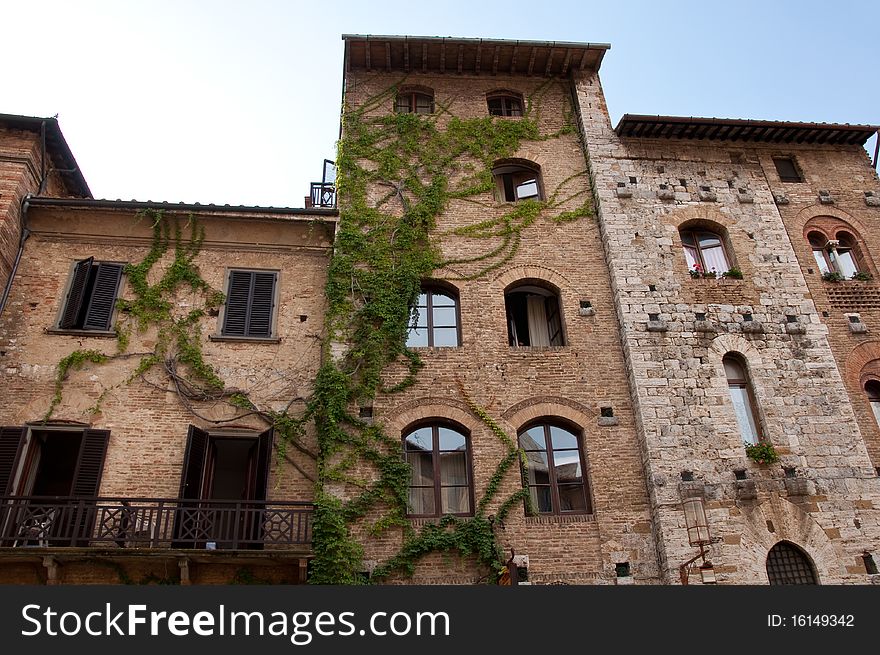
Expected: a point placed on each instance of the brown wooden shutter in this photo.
(193, 463)
(90, 464)
(74, 302)
(11, 442)
(238, 299)
(103, 298)
(264, 460)
(262, 303)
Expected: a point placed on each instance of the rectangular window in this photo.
(91, 296)
(250, 304)
(788, 171)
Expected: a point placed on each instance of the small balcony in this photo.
(172, 524)
(323, 194)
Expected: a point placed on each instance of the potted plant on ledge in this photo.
(762, 452)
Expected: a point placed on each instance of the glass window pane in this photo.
(846, 263)
(403, 104)
(733, 369)
(421, 501)
(455, 500)
(687, 239)
(561, 438)
(515, 107)
(541, 499)
(821, 262)
(744, 417)
(453, 469)
(423, 103)
(496, 107)
(875, 407)
(715, 260)
(528, 189)
(422, 465)
(420, 440)
(538, 468)
(417, 338)
(567, 465)
(572, 498)
(444, 316)
(533, 439)
(445, 337)
(709, 240)
(442, 300)
(451, 440)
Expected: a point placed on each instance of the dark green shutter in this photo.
(103, 297)
(90, 464)
(74, 302)
(264, 459)
(11, 440)
(193, 463)
(249, 304)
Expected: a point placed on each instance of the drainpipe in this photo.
(23, 236)
(876, 148)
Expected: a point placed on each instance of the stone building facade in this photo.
(567, 312)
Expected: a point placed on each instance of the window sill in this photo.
(550, 519)
(222, 338)
(419, 521)
(101, 334)
(527, 349)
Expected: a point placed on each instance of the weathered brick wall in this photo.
(19, 174)
(683, 411)
(516, 385)
(148, 423)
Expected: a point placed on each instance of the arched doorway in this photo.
(787, 564)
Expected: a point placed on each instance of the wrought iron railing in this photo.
(153, 523)
(322, 194)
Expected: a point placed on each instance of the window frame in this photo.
(525, 287)
(412, 95)
(694, 232)
(87, 288)
(788, 178)
(435, 425)
(223, 332)
(546, 423)
(506, 109)
(744, 383)
(429, 290)
(505, 174)
(850, 244)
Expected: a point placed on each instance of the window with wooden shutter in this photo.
(92, 296)
(250, 304)
(11, 439)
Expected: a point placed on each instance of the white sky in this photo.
(238, 102)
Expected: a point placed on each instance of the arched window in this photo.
(505, 103)
(439, 457)
(533, 317)
(554, 469)
(872, 390)
(818, 243)
(742, 398)
(517, 180)
(837, 249)
(704, 251)
(414, 101)
(787, 564)
(435, 321)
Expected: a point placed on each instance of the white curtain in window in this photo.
(715, 260)
(847, 263)
(742, 406)
(875, 407)
(539, 335)
(821, 262)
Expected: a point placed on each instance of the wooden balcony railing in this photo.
(170, 523)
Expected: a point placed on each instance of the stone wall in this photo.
(677, 329)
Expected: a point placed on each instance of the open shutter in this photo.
(11, 440)
(103, 297)
(193, 463)
(74, 302)
(238, 300)
(90, 464)
(264, 460)
(262, 303)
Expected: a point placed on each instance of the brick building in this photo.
(586, 375)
